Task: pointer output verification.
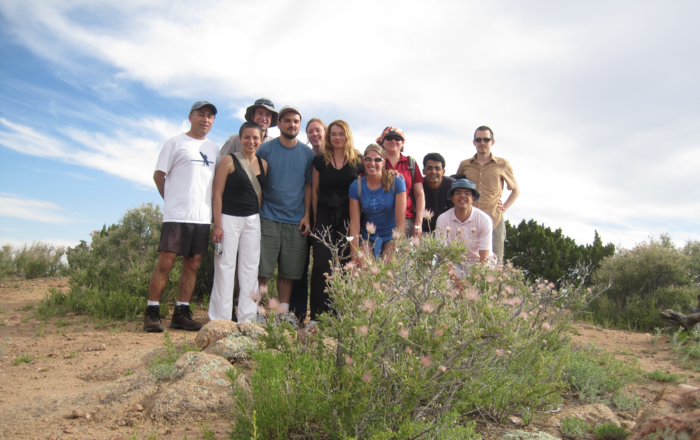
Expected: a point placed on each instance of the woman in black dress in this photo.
(333, 172)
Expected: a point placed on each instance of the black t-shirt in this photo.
(436, 200)
(239, 198)
(333, 181)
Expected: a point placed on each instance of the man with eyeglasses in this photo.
(490, 173)
(264, 114)
(466, 223)
(436, 187)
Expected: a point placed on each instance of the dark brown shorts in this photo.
(186, 239)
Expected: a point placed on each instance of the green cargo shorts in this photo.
(281, 244)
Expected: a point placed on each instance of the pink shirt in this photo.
(475, 232)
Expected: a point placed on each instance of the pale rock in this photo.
(136, 408)
(232, 348)
(594, 415)
(524, 435)
(251, 330)
(215, 330)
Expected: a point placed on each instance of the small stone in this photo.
(136, 408)
(137, 416)
(517, 421)
(87, 416)
(77, 414)
(67, 431)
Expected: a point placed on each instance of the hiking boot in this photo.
(287, 317)
(182, 319)
(151, 319)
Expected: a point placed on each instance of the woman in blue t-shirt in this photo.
(377, 206)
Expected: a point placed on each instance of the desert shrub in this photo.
(595, 374)
(627, 401)
(39, 260)
(660, 376)
(162, 367)
(409, 347)
(610, 431)
(7, 266)
(647, 279)
(574, 428)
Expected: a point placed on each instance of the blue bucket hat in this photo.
(464, 183)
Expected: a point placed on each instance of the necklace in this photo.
(335, 165)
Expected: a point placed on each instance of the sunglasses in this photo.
(393, 138)
(484, 140)
(264, 102)
(375, 159)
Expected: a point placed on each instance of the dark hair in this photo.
(437, 157)
(250, 125)
(484, 128)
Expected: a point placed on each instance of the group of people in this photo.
(274, 199)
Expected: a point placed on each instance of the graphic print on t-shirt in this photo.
(372, 204)
(205, 161)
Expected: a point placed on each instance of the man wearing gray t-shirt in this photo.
(286, 207)
(261, 112)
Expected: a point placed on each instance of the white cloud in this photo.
(12, 205)
(597, 114)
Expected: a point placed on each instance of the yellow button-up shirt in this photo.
(489, 180)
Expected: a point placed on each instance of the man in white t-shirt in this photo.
(184, 175)
(467, 223)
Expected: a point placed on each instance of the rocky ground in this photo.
(88, 379)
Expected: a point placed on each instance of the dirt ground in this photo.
(66, 348)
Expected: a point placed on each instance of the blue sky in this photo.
(595, 104)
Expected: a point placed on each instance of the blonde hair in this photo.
(387, 179)
(352, 156)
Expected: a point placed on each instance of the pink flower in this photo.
(546, 327)
(459, 231)
(403, 333)
(374, 269)
(448, 229)
(363, 330)
(348, 360)
(471, 294)
(477, 277)
(273, 304)
(490, 278)
(442, 368)
(523, 315)
(368, 304)
(377, 287)
(510, 290)
(367, 377)
(416, 241)
(262, 310)
(256, 296)
(408, 350)
(499, 352)
(395, 234)
(371, 228)
(390, 274)
(428, 214)
(452, 293)
(426, 361)
(263, 289)
(429, 307)
(439, 332)
(473, 230)
(349, 265)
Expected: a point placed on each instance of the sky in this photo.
(594, 104)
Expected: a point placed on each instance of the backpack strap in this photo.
(249, 171)
(359, 191)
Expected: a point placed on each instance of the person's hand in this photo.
(417, 232)
(217, 234)
(500, 206)
(305, 226)
(395, 173)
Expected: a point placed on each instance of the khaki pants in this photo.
(498, 238)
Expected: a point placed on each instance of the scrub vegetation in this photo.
(32, 261)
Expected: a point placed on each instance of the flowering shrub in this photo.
(408, 344)
(7, 266)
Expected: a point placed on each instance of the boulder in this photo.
(594, 415)
(674, 427)
(232, 348)
(524, 435)
(674, 401)
(203, 391)
(215, 330)
(253, 331)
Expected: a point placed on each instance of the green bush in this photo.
(574, 428)
(610, 431)
(660, 376)
(39, 260)
(647, 279)
(110, 276)
(595, 374)
(409, 348)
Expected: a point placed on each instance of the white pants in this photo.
(242, 238)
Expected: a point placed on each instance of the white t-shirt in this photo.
(476, 232)
(189, 165)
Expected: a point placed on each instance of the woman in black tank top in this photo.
(237, 196)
